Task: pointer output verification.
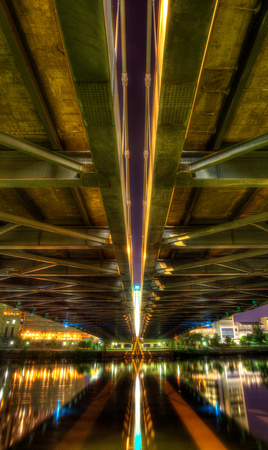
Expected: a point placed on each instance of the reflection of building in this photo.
(233, 394)
(221, 384)
(30, 394)
(9, 321)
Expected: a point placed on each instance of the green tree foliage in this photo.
(207, 339)
(51, 343)
(229, 340)
(216, 339)
(85, 344)
(19, 342)
(245, 340)
(258, 334)
(196, 339)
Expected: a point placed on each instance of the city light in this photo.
(137, 305)
(137, 439)
(59, 336)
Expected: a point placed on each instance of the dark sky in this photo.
(136, 12)
(252, 315)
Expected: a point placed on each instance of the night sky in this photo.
(252, 315)
(136, 13)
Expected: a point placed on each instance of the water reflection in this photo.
(32, 393)
(236, 388)
(138, 425)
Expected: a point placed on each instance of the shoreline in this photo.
(45, 356)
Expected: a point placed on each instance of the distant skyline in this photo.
(253, 315)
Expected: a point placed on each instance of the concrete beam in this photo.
(13, 38)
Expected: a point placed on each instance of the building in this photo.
(39, 328)
(245, 328)
(225, 327)
(30, 326)
(206, 331)
(9, 321)
(264, 321)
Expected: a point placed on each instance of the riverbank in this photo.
(221, 351)
(47, 356)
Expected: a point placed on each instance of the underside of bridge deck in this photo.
(65, 222)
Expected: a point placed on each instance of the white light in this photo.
(11, 343)
(137, 444)
(137, 301)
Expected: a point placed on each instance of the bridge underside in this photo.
(65, 236)
(64, 245)
(205, 251)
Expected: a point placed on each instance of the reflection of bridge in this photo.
(65, 237)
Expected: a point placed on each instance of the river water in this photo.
(207, 404)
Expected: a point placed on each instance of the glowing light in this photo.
(58, 411)
(179, 244)
(137, 301)
(137, 439)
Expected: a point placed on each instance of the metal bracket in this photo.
(124, 79)
(147, 79)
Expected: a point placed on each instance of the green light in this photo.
(136, 287)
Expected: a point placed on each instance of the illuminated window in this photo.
(7, 321)
(13, 321)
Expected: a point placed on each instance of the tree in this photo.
(85, 344)
(19, 342)
(216, 339)
(207, 339)
(229, 340)
(52, 343)
(244, 340)
(258, 334)
(196, 338)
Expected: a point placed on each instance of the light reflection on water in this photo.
(239, 389)
(32, 393)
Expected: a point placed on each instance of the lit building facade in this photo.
(9, 322)
(206, 331)
(225, 327)
(264, 321)
(245, 328)
(32, 327)
(38, 328)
